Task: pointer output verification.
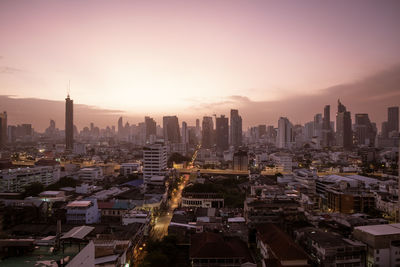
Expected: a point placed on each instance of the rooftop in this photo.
(283, 247)
(324, 239)
(79, 232)
(50, 193)
(79, 204)
(380, 229)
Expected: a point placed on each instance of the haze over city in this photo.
(195, 58)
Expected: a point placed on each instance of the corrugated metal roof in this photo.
(78, 232)
(105, 259)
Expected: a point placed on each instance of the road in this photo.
(160, 229)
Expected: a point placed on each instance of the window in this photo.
(377, 258)
(377, 251)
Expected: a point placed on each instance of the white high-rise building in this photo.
(285, 136)
(154, 161)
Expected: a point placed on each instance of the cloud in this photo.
(9, 70)
(372, 95)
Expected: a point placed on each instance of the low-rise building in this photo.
(52, 196)
(15, 179)
(330, 249)
(349, 202)
(278, 249)
(129, 168)
(211, 249)
(90, 175)
(202, 200)
(277, 210)
(136, 216)
(240, 161)
(113, 211)
(283, 160)
(83, 212)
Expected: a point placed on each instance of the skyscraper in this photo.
(393, 119)
(198, 129)
(185, 133)
(344, 134)
(207, 140)
(235, 134)
(364, 130)
(285, 136)
(222, 133)
(69, 123)
(171, 129)
(384, 130)
(151, 127)
(326, 127)
(309, 130)
(318, 126)
(327, 118)
(120, 128)
(3, 129)
(262, 130)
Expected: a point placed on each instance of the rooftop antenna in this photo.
(69, 88)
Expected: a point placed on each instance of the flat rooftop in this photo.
(89, 169)
(79, 204)
(44, 193)
(380, 229)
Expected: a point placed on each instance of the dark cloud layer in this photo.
(370, 95)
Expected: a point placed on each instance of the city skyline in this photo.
(115, 118)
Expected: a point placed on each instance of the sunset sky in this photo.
(194, 58)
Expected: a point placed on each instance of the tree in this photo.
(63, 182)
(133, 176)
(162, 253)
(33, 189)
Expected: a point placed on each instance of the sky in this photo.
(196, 58)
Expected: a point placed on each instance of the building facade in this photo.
(207, 132)
(235, 134)
(154, 161)
(344, 134)
(171, 129)
(222, 133)
(69, 123)
(14, 180)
